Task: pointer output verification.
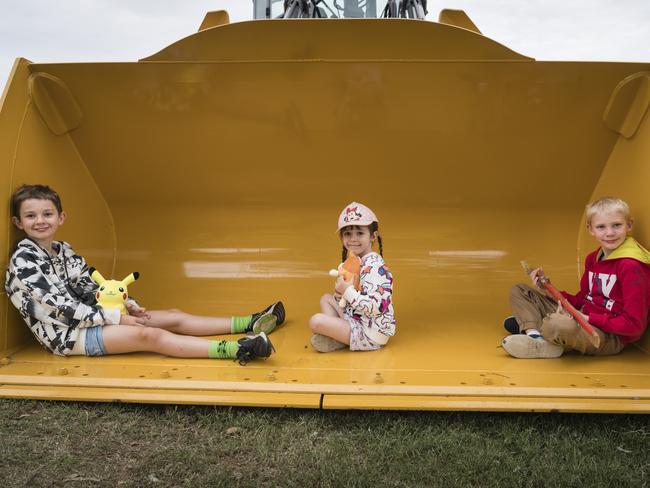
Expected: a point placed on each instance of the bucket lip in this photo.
(347, 39)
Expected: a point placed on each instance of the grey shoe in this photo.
(325, 344)
(523, 346)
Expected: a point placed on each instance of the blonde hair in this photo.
(606, 205)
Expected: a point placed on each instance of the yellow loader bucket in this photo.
(218, 167)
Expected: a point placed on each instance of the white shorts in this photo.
(359, 341)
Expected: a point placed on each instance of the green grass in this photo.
(84, 444)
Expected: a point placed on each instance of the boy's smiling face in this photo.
(39, 219)
(610, 229)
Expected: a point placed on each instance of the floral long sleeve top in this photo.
(372, 306)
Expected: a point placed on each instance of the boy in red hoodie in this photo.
(614, 295)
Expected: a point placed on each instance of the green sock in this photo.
(223, 349)
(239, 324)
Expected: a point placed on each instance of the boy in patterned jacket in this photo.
(614, 295)
(51, 287)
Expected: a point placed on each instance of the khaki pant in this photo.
(534, 310)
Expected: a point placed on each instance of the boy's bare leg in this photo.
(187, 324)
(119, 339)
(329, 305)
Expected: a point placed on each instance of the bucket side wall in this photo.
(627, 176)
(32, 154)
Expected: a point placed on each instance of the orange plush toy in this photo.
(350, 270)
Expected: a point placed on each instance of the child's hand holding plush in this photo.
(349, 275)
(112, 294)
(137, 311)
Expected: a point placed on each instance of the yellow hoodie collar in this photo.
(629, 249)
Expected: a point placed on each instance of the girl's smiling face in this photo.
(358, 239)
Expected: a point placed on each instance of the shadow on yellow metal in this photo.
(217, 169)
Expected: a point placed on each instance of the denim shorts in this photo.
(94, 342)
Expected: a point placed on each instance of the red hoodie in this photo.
(615, 293)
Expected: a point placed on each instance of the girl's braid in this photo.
(374, 227)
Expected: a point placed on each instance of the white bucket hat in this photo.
(356, 214)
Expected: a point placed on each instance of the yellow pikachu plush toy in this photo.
(112, 293)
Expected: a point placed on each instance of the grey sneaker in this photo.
(523, 346)
(325, 344)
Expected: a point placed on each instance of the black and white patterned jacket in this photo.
(54, 294)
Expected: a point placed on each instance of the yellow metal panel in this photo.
(458, 18)
(12, 103)
(220, 180)
(33, 154)
(400, 377)
(494, 404)
(55, 103)
(219, 116)
(628, 104)
(54, 160)
(152, 395)
(214, 19)
(13, 107)
(4, 331)
(627, 174)
(354, 39)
